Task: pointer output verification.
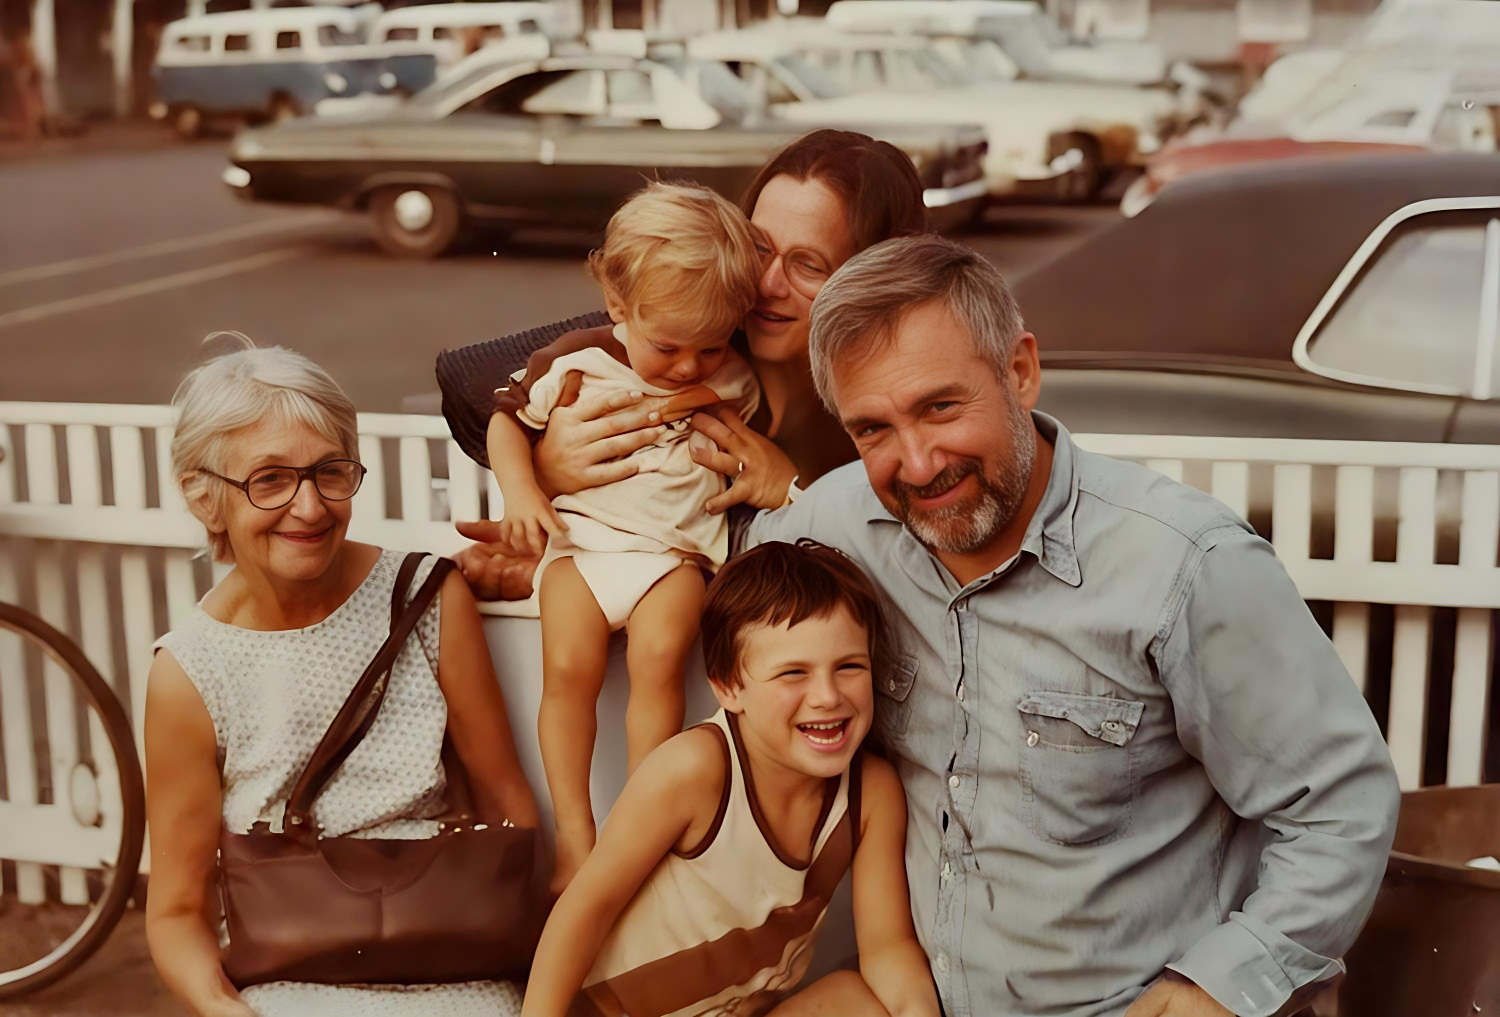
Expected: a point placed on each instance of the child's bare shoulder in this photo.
(686, 774)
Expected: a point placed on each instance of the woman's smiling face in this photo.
(807, 228)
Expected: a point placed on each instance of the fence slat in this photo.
(1416, 527)
(1230, 483)
(9, 463)
(41, 466)
(1351, 639)
(166, 482)
(416, 480)
(1479, 534)
(20, 764)
(62, 733)
(1354, 513)
(127, 454)
(369, 503)
(1407, 725)
(463, 485)
(1291, 510)
(1473, 648)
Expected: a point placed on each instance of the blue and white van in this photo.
(262, 64)
(421, 42)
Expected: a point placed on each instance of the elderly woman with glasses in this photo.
(241, 691)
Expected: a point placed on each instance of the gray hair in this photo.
(864, 301)
(242, 388)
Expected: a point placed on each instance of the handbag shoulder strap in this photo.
(357, 715)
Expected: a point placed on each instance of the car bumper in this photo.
(944, 197)
(1057, 167)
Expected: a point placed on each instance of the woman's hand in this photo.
(494, 570)
(586, 444)
(759, 473)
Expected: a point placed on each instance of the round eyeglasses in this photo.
(806, 270)
(274, 487)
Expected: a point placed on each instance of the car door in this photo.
(498, 147)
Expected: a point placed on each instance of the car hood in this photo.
(1010, 108)
(1125, 62)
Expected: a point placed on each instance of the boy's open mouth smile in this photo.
(825, 735)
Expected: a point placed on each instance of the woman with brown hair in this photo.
(820, 201)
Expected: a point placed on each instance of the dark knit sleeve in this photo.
(469, 376)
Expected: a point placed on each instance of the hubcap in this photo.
(413, 211)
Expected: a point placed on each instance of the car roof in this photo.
(467, 14)
(292, 17)
(1230, 264)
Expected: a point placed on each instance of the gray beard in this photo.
(967, 526)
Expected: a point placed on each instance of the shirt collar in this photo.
(1049, 536)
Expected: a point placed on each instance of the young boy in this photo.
(719, 859)
(679, 269)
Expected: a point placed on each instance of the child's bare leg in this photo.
(661, 632)
(575, 647)
(841, 994)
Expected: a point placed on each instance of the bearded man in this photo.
(1139, 779)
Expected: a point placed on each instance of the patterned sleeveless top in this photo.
(726, 928)
(271, 695)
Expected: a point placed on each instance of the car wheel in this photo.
(1083, 181)
(283, 108)
(415, 222)
(188, 123)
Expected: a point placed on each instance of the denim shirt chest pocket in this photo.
(1078, 772)
(893, 700)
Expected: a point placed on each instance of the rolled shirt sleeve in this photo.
(1263, 701)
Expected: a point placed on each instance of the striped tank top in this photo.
(727, 928)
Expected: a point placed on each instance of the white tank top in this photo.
(726, 928)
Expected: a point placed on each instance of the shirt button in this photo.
(942, 963)
(891, 685)
(947, 870)
(1032, 738)
(960, 693)
(953, 781)
(1111, 725)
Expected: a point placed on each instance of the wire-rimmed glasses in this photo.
(274, 487)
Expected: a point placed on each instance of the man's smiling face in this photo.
(948, 444)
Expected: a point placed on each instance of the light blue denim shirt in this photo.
(1127, 749)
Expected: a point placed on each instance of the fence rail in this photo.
(1394, 544)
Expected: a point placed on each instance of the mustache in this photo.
(950, 475)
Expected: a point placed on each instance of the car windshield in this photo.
(1029, 42)
(333, 35)
(716, 85)
(940, 72)
(814, 80)
(438, 93)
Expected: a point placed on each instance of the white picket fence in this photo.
(95, 538)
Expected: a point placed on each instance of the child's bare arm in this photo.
(890, 958)
(670, 794)
(529, 516)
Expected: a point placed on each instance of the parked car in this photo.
(559, 140)
(422, 42)
(259, 65)
(1055, 137)
(1313, 298)
(1390, 112)
(1029, 40)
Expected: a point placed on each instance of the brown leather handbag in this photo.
(460, 906)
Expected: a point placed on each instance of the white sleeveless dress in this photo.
(271, 696)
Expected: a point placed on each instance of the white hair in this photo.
(237, 390)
